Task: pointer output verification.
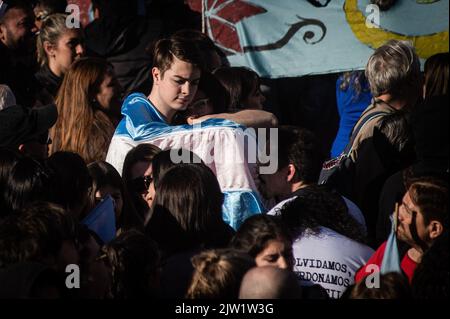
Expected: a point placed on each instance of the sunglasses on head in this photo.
(141, 184)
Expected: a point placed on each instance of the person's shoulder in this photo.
(134, 98)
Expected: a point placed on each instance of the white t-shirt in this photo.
(328, 259)
(353, 210)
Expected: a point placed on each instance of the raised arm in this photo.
(249, 118)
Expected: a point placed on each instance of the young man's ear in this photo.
(291, 170)
(436, 229)
(156, 75)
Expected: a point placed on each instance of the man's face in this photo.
(176, 88)
(405, 219)
(17, 31)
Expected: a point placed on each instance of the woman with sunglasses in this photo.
(137, 175)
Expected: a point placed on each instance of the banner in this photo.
(290, 38)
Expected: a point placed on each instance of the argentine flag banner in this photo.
(219, 143)
(290, 38)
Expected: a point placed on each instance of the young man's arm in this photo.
(249, 118)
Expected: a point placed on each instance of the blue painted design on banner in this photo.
(240, 205)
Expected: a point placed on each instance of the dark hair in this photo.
(55, 6)
(114, 8)
(134, 261)
(218, 274)
(8, 158)
(394, 141)
(35, 234)
(184, 50)
(240, 83)
(70, 182)
(162, 162)
(392, 286)
(206, 46)
(255, 233)
(432, 275)
(104, 174)
(188, 210)
(431, 196)
(141, 153)
(357, 80)
(300, 147)
(436, 71)
(28, 181)
(317, 206)
(16, 4)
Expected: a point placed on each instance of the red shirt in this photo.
(407, 264)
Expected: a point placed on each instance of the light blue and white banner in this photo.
(288, 38)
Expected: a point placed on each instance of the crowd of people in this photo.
(91, 120)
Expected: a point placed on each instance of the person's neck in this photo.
(166, 112)
(292, 189)
(397, 104)
(55, 70)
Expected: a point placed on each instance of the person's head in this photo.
(187, 210)
(26, 129)
(384, 5)
(436, 72)
(423, 213)
(218, 274)
(267, 240)
(394, 69)
(431, 278)
(394, 139)
(43, 232)
(316, 206)
(44, 8)
(176, 72)
(57, 45)
(299, 163)
(392, 286)
(270, 283)
(88, 105)
(243, 87)
(138, 177)
(7, 97)
(134, 262)
(211, 98)
(70, 182)
(17, 29)
(107, 181)
(212, 56)
(27, 181)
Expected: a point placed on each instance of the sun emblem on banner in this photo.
(426, 45)
(221, 17)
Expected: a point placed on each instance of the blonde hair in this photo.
(218, 273)
(53, 27)
(82, 127)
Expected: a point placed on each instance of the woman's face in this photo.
(142, 176)
(108, 96)
(255, 100)
(277, 254)
(69, 48)
(116, 195)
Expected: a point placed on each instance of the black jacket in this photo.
(123, 41)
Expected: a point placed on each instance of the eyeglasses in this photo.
(141, 184)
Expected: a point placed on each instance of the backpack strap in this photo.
(364, 121)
